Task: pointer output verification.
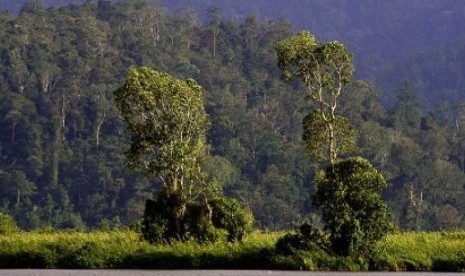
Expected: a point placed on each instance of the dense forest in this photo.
(393, 41)
(63, 143)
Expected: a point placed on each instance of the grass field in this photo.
(436, 251)
(439, 251)
(124, 249)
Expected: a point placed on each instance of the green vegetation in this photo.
(7, 224)
(422, 251)
(167, 121)
(63, 141)
(124, 249)
(436, 251)
(325, 69)
(348, 192)
(355, 216)
(209, 147)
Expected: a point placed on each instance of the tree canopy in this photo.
(325, 69)
(168, 123)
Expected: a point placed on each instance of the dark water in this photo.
(52, 272)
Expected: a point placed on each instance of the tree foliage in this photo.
(325, 69)
(349, 196)
(167, 120)
(315, 135)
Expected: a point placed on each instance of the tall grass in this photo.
(438, 251)
(410, 251)
(422, 251)
(124, 249)
(67, 249)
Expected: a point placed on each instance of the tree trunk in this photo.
(13, 132)
(331, 143)
(63, 116)
(56, 146)
(215, 34)
(97, 131)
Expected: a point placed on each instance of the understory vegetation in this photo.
(409, 251)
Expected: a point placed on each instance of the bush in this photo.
(349, 196)
(228, 214)
(7, 224)
(164, 221)
(157, 226)
(308, 238)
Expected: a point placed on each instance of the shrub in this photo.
(157, 219)
(7, 224)
(228, 214)
(308, 238)
(349, 196)
(204, 223)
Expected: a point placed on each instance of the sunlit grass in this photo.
(437, 251)
(442, 251)
(125, 249)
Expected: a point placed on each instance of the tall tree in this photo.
(406, 112)
(167, 120)
(325, 69)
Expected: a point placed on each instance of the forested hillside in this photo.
(62, 141)
(386, 36)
